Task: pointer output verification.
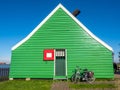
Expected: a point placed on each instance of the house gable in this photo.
(60, 30)
(74, 18)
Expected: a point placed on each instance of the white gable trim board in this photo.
(74, 18)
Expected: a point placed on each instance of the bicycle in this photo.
(83, 75)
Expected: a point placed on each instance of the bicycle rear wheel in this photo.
(91, 80)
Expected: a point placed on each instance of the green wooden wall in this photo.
(60, 31)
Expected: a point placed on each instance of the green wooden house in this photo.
(56, 46)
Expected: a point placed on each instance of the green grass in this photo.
(47, 84)
(26, 85)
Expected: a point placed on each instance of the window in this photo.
(60, 53)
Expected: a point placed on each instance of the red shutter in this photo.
(49, 54)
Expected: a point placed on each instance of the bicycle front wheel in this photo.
(73, 78)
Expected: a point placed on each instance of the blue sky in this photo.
(19, 17)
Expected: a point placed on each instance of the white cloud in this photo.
(5, 59)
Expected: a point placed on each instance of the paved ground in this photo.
(117, 78)
(60, 86)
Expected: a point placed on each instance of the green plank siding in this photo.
(60, 31)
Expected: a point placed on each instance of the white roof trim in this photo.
(75, 19)
(25, 39)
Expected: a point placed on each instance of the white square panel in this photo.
(49, 55)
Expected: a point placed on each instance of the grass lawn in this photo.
(26, 85)
(101, 86)
(47, 84)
